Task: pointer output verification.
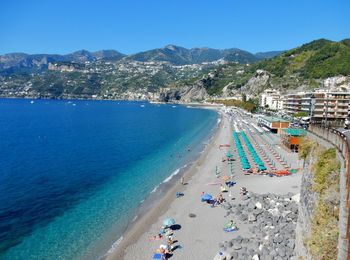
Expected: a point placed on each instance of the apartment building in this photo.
(321, 105)
(271, 98)
(292, 103)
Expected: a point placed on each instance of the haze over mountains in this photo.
(13, 62)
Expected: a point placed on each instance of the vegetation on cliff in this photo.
(322, 240)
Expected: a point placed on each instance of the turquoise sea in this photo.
(73, 174)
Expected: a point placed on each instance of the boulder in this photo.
(228, 244)
(251, 217)
(237, 247)
(256, 257)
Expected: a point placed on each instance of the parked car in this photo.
(347, 123)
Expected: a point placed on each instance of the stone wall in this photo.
(306, 208)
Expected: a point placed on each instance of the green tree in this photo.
(301, 114)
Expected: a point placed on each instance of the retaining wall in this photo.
(342, 144)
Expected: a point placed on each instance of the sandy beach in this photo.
(199, 236)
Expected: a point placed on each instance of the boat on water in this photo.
(142, 106)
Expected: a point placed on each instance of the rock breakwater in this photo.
(271, 221)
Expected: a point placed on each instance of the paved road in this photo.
(347, 134)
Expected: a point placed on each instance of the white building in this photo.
(271, 99)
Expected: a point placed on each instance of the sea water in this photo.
(74, 173)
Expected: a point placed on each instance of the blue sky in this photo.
(129, 26)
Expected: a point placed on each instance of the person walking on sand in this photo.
(183, 180)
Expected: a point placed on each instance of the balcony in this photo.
(343, 104)
(339, 110)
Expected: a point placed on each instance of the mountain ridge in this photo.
(176, 55)
(317, 64)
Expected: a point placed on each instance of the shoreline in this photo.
(187, 104)
(199, 225)
(142, 224)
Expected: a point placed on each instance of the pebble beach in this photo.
(265, 217)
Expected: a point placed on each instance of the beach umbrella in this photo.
(206, 197)
(169, 222)
(229, 154)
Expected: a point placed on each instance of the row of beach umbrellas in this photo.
(259, 163)
(244, 161)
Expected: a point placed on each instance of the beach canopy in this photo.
(206, 197)
(229, 154)
(169, 222)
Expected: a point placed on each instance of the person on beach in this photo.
(163, 253)
(156, 237)
(163, 230)
(221, 199)
(222, 188)
(243, 191)
(230, 224)
(182, 180)
(169, 233)
(170, 243)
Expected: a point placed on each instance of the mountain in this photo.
(110, 55)
(267, 55)
(182, 56)
(29, 63)
(320, 63)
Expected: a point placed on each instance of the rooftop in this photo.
(295, 132)
(274, 119)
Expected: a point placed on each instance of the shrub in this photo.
(323, 238)
(305, 147)
(326, 165)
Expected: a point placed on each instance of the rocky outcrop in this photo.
(257, 83)
(338, 83)
(196, 92)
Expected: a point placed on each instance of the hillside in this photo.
(306, 66)
(173, 71)
(318, 59)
